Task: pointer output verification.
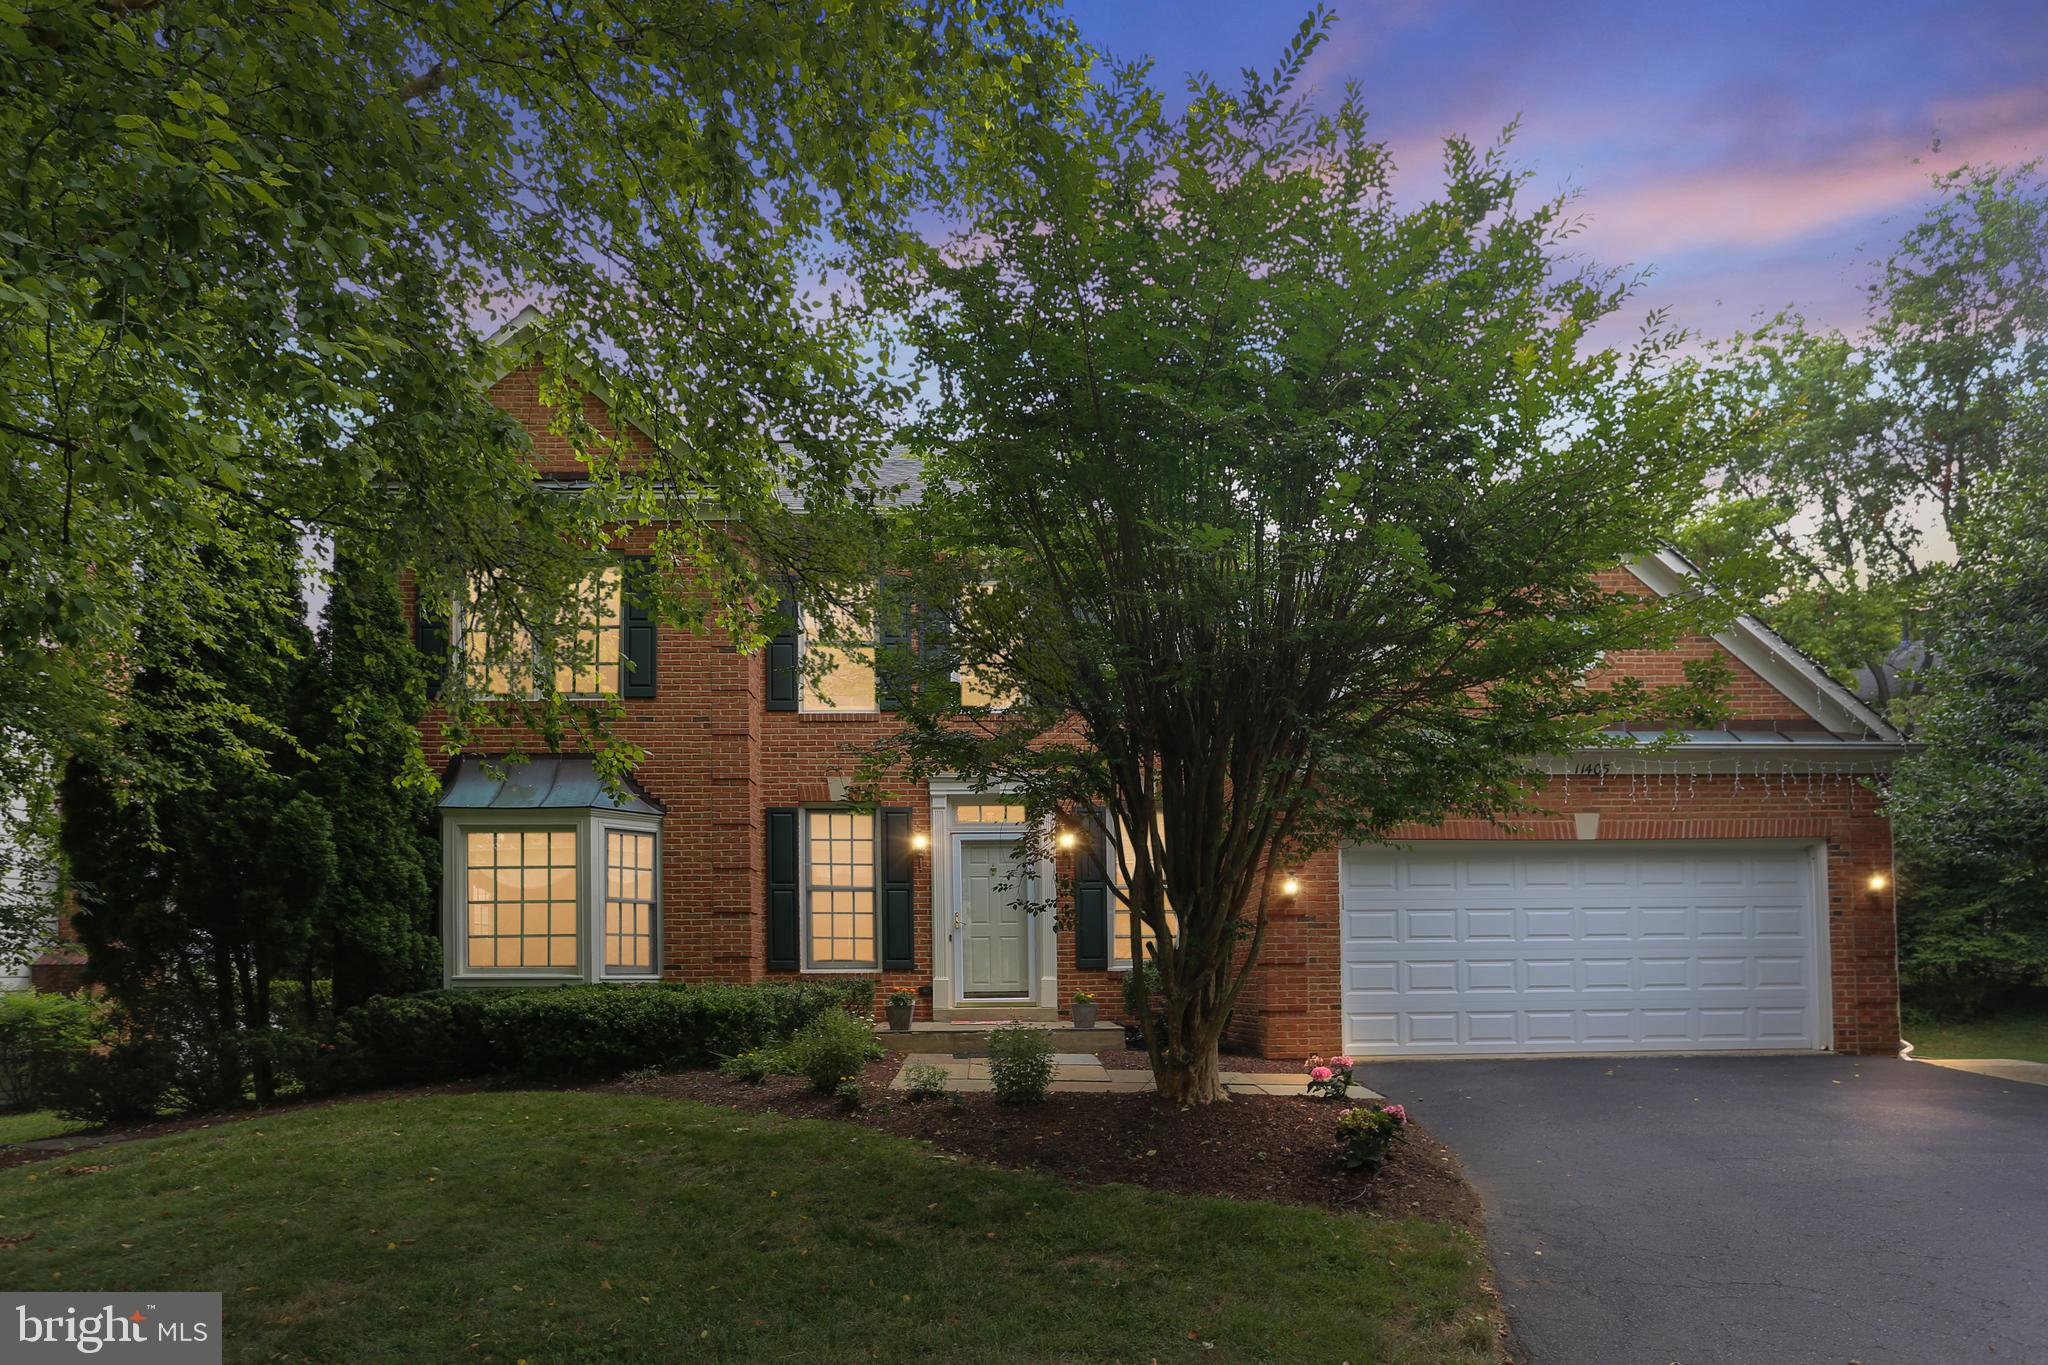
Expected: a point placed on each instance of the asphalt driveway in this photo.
(1752, 1209)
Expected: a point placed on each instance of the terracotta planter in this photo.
(899, 1017)
(1084, 1014)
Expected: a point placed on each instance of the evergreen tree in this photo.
(363, 699)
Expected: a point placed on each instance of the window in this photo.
(1120, 932)
(979, 688)
(591, 666)
(839, 889)
(590, 645)
(843, 679)
(988, 813)
(520, 902)
(628, 900)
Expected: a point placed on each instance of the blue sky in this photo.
(1751, 154)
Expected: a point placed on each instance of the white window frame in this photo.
(607, 824)
(537, 664)
(590, 826)
(804, 888)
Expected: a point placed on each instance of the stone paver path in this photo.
(1081, 1073)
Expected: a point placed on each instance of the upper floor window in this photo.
(588, 660)
(838, 673)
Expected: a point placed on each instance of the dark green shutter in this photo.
(783, 890)
(1092, 900)
(899, 919)
(936, 658)
(637, 634)
(430, 637)
(892, 645)
(781, 655)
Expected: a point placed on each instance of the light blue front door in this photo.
(995, 949)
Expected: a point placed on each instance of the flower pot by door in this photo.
(1084, 1014)
(899, 1018)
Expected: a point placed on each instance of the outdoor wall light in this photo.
(1291, 887)
(1878, 881)
(920, 841)
(1068, 838)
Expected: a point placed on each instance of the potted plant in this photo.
(1084, 1009)
(902, 1000)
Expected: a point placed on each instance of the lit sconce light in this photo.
(1878, 881)
(1291, 886)
(920, 841)
(1068, 839)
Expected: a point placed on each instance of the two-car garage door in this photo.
(1530, 947)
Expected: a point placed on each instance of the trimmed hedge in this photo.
(578, 1031)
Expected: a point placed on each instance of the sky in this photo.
(1752, 156)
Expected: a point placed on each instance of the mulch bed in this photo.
(1252, 1147)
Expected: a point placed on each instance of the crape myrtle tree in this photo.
(252, 246)
(1265, 512)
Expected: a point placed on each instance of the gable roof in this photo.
(1774, 658)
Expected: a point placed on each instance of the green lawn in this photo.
(39, 1123)
(550, 1226)
(2022, 1037)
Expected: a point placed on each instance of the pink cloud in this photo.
(1753, 203)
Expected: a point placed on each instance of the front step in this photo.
(997, 1014)
(971, 1038)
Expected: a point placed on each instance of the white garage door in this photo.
(1570, 948)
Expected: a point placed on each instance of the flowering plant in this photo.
(1084, 997)
(1329, 1078)
(1364, 1136)
(902, 995)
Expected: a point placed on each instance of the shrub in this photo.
(1329, 1078)
(39, 1034)
(848, 1093)
(605, 1030)
(754, 1065)
(922, 1081)
(432, 1036)
(125, 1083)
(1365, 1136)
(830, 1049)
(1020, 1063)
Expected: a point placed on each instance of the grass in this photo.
(571, 1226)
(39, 1123)
(2023, 1037)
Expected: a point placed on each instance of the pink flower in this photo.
(1321, 1073)
(1340, 1061)
(1400, 1114)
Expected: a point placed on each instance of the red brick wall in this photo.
(1294, 1005)
(717, 758)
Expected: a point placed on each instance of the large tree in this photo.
(251, 244)
(198, 859)
(1281, 508)
(1855, 460)
(1971, 809)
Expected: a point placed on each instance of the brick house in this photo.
(1732, 894)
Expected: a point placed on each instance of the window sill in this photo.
(837, 717)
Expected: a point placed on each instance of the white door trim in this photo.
(945, 872)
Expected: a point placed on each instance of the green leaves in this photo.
(222, 230)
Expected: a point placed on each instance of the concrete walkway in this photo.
(1082, 1073)
(1998, 1068)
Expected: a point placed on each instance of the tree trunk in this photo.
(1188, 1075)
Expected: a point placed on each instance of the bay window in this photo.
(548, 877)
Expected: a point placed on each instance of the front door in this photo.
(995, 935)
